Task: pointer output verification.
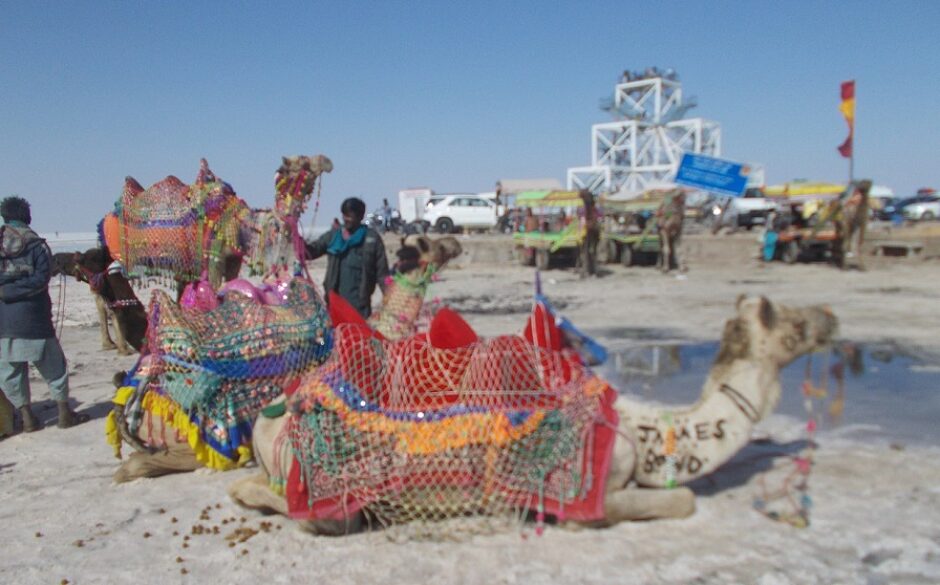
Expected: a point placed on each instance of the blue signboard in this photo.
(712, 174)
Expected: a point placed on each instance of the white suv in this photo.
(445, 213)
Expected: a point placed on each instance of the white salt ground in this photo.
(874, 519)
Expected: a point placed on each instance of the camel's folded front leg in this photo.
(176, 458)
(253, 492)
(648, 504)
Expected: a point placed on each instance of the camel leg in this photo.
(648, 504)
(665, 254)
(122, 347)
(253, 492)
(102, 307)
(857, 240)
(679, 264)
(175, 459)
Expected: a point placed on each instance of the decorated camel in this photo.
(114, 297)
(186, 230)
(669, 219)
(445, 424)
(213, 366)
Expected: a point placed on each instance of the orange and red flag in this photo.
(847, 107)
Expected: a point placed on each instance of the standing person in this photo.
(592, 235)
(356, 260)
(386, 215)
(531, 223)
(26, 331)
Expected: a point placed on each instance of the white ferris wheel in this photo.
(643, 146)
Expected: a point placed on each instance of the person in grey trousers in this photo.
(26, 331)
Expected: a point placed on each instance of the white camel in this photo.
(742, 388)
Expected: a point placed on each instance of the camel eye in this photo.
(789, 342)
(801, 330)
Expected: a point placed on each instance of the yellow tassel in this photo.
(122, 394)
(111, 431)
(168, 410)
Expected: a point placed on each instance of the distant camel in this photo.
(851, 222)
(669, 219)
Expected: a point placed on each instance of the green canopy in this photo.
(548, 199)
(530, 198)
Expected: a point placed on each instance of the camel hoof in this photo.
(126, 472)
(125, 351)
(254, 493)
(107, 346)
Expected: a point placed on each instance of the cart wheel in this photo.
(542, 258)
(790, 252)
(627, 255)
(526, 256)
(613, 251)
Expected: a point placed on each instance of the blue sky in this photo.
(448, 95)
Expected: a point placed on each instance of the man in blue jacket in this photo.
(356, 260)
(26, 331)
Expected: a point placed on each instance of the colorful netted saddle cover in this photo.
(173, 228)
(444, 424)
(223, 366)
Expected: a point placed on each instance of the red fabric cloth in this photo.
(449, 330)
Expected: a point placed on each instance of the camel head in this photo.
(94, 259)
(64, 263)
(295, 180)
(768, 331)
(436, 252)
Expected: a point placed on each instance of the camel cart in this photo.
(627, 234)
(559, 236)
(838, 230)
(806, 244)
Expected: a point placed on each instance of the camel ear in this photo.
(741, 299)
(766, 313)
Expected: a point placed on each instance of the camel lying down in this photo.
(741, 389)
(160, 449)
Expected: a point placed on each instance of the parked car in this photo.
(747, 211)
(447, 213)
(924, 208)
(885, 208)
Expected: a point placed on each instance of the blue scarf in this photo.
(339, 245)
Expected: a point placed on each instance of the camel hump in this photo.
(131, 187)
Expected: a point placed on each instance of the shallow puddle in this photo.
(886, 393)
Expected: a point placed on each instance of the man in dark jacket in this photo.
(356, 260)
(26, 331)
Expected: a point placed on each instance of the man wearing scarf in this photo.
(26, 331)
(356, 258)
